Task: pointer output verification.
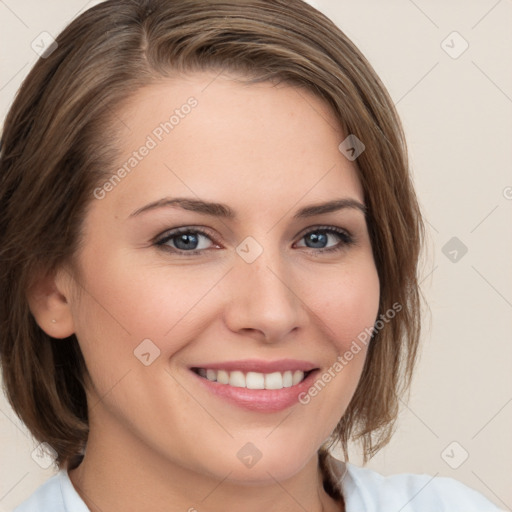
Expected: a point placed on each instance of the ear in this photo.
(49, 299)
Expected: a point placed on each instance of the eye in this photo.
(189, 241)
(319, 237)
(185, 240)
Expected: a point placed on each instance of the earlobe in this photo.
(49, 302)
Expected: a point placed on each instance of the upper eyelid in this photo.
(170, 233)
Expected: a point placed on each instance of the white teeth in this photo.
(254, 380)
(297, 377)
(273, 381)
(223, 377)
(237, 379)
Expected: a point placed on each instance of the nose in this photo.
(266, 298)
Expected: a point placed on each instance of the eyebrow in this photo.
(224, 211)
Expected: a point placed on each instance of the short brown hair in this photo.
(56, 148)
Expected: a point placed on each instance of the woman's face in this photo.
(261, 291)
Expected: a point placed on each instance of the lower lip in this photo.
(260, 400)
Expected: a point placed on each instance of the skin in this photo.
(156, 436)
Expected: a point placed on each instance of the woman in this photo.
(209, 241)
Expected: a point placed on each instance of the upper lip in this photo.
(260, 366)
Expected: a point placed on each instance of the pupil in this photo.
(318, 239)
(187, 239)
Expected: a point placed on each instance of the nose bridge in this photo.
(265, 298)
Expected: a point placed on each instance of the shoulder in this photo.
(365, 489)
(57, 494)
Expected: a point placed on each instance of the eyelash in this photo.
(346, 240)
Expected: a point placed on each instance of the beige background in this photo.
(457, 117)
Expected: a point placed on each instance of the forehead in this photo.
(217, 138)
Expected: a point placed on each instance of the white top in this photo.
(364, 490)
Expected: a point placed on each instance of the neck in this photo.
(112, 477)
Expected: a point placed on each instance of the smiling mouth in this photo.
(253, 380)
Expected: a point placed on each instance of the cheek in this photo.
(129, 301)
(347, 305)
(345, 311)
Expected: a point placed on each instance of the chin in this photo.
(253, 466)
